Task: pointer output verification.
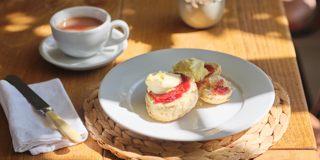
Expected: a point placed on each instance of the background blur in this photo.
(304, 23)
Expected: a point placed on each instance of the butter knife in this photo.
(43, 107)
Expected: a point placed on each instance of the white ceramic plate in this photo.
(122, 92)
(50, 51)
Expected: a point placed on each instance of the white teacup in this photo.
(82, 44)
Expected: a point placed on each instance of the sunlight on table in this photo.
(18, 22)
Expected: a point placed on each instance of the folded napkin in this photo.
(29, 128)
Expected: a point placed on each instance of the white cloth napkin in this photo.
(29, 128)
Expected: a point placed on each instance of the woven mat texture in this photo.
(126, 144)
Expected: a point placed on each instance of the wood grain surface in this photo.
(253, 30)
(288, 154)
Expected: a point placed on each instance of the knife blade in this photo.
(39, 104)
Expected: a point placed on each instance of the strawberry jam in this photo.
(211, 70)
(174, 94)
(220, 89)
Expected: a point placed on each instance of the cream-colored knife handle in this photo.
(72, 135)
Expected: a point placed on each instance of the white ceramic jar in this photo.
(204, 16)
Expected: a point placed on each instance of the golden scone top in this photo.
(162, 82)
(191, 67)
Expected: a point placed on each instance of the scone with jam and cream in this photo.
(204, 74)
(170, 95)
(218, 91)
(199, 70)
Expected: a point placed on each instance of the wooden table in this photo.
(253, 30)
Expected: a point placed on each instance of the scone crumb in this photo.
(199, 103)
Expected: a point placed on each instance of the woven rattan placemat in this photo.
(248, 144)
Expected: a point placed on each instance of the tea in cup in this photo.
(78, 24)
(83, 31)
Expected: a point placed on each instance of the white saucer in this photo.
(50, 52)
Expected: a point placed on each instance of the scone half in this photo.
(170, 111)
(217, 91)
